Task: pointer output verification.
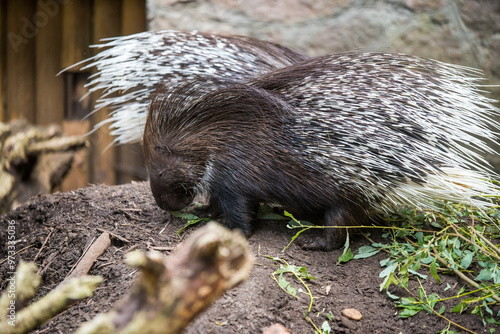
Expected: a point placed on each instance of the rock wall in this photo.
(458, 31)
(463, 32)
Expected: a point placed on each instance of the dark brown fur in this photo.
(235, 142)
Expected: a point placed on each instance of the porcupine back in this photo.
(396, 128)
(343, 135)
(131, 67)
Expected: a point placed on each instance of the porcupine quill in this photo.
(130, 68)
(342, 136)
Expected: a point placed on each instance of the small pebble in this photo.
(352, 314)
(275, 329)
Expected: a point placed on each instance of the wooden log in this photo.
(33, 160)
(27, 318)
(171, 292)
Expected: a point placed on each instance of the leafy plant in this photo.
(301, 274)
(457, 241)
(191, 219)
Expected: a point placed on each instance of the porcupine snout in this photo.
(171, 185)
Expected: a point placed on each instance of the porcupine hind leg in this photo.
(330, 238)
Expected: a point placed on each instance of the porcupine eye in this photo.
(171, 183)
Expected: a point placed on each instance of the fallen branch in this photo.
(33, 160)
(97, 248)
(171, 292)
(18, 319)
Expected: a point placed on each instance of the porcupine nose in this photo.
(168, 194)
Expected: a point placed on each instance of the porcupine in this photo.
(344, 136)
(130, 68)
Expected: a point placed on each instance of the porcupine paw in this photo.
(323, 242)
(205, 210)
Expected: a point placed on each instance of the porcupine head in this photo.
(236, 145)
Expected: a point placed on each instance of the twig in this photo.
(18, 252)
(114, 235)
(460, 274)
(40, 250)
(440, 315)
(95, 250)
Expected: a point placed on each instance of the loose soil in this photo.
(74, 219)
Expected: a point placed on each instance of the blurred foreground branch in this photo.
(33, 160)
(171, 292)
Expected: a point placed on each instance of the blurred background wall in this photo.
(39, 38)
(465, 32)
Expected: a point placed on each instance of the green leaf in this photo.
(325, 328)
(182, 215)
(191, 219)
(389, 270)
(387, 281)
(266, 212)
(366, 252)
(496, 275)
(408, 312)
(420, 237)
(286, 285)
(484, 275)
(416, 266)
(460, 307)
(346, 256)
(427, 260)
(270, 216)
(467, 260)
(416, 273)
(433, 270)
(393, 297)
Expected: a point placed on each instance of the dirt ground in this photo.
(74, 218)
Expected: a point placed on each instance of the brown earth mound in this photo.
(73, 219)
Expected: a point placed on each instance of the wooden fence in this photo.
(40, 38)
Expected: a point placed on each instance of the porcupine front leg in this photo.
(211, 210)
(238, 211)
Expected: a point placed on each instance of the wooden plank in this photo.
(76, 123)
(3, 57)
(129, 156)
(20, 66)
(107, 23)
(49, 86)
(77, 30)
(76, 38)
(78, 175)
(133, 16)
